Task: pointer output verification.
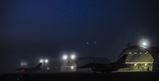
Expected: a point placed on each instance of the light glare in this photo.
(65, 57)
(41, 61)
(46, 60)
(72, 67)
(135, 64)
(73, 56)
(144, 43)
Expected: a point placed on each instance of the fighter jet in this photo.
(37, 68)
(95, 67)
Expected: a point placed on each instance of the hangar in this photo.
(139, 59)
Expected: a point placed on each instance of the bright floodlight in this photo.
(41, 61)
(65, 57)
(73, 56)
(46, 60)
(144, 43)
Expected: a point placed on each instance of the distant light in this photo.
(73, 56)
(72, 67)
(144, 43)
(41, 60)
(135, 64)
(146, 64)
(46, 60)
(65, 57)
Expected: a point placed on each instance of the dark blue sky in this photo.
(33, 28)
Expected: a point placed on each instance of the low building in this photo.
(57, 65)
(69, 66)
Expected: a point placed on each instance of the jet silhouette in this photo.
(37, 68)
(96, 67)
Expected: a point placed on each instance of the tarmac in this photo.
(81, 76)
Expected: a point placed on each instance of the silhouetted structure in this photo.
(139, 59)
(142, 59)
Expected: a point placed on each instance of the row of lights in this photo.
(137, 64)
(66, 57)
(44, 60)
(137, 53)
